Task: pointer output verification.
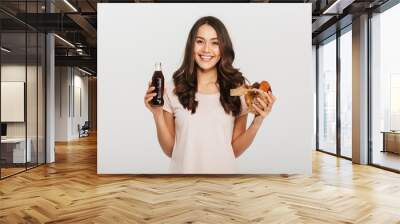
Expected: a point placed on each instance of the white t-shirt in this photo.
(203, 139)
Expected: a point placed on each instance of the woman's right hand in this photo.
(148, 97)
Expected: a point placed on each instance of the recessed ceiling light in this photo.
(64, 40)
(84, 71)
(5, 50)
(337, 7)
(70, 5)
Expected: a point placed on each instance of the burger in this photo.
(251, 92)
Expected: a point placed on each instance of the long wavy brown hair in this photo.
(228, 77)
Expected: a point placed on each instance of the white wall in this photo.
(80, 84)
(61, 103)
(271, 41)
(68, 81)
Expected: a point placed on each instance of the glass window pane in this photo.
(41, 98)
(22, 80)
(14, 153)
(386, 88)
(327, 97)
(31, 87)
(31, 101)
(346, 93)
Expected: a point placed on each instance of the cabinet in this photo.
(391, 141)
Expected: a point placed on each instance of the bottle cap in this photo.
(158, 66)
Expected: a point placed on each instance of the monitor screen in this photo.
(3, 129)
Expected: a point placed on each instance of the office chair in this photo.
(84, 130)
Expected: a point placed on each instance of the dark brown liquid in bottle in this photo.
(158, 83)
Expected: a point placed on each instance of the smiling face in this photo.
(206, 48)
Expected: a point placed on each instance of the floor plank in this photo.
(70, 191)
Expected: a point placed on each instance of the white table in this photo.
(18, 145)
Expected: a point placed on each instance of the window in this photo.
(22, 65)
(385, 88)
(327, 96)
(346, 93)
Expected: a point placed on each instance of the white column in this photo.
(50, 100)
(50, 92)
(360, 90)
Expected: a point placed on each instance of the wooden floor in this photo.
(5, 172)
(70, 191)
(387, 159)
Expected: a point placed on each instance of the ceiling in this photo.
(76, 22)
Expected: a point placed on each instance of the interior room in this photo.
(51, 125)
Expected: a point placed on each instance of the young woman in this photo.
(201, 127)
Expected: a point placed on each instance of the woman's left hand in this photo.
(265, 108)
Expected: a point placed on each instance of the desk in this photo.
(391, 141)
(15, 148)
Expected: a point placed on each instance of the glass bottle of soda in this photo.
(158, 82)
